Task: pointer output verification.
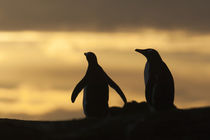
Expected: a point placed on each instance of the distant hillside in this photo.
(134, 122)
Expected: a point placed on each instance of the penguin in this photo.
(96, 89)
(159, 82)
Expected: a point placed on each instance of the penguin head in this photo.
(150, 54)
(91, 57)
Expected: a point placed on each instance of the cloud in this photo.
(61, 114)
(104, 15)
(58, 114)
(8, 85)
(191, 91)
(189, 56)
(8, 100)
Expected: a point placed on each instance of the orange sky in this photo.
(42, 45)
(40, 69)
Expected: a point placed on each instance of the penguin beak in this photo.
(140, 51)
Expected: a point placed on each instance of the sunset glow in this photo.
(40, 69)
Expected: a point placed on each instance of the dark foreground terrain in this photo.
(134, 122)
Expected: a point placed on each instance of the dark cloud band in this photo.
(104, 15)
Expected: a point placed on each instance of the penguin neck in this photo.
(153, 60)
(154, 64)
(92, 65)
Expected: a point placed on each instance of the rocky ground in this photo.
(134, 122)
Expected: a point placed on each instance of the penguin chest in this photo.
(146, 73)
(151, 80)
(95, 99)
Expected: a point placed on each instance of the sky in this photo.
(42, 45)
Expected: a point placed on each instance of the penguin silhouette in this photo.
(158, 81)
(96, 89)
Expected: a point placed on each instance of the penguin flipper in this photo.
(77, 89)
(116, 88)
